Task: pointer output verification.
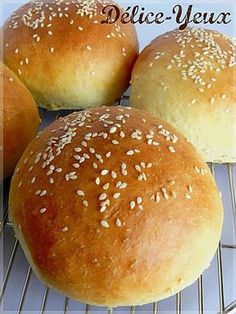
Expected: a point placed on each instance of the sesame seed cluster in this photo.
(187, 78)
(92, 140)
(200, 53)
(65, 55)
(41, 17)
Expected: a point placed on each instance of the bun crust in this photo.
(119, 209)
(19, 120)
(188, 79)
(66, 57)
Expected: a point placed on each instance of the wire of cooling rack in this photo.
(5, 226)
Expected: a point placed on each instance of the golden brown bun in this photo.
(145, 244)
(19, 120)
(188, 78)
(68, 60)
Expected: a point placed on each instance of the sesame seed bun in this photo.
(188, 79)
(119, 209)
(19, 120)
(66, 57)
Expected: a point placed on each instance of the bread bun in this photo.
(66, 57)
(114, 207)
(19, 120)
(188, 79)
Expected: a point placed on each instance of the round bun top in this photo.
(19, 119)
(187, 78)
(66, 56)
(114, 207)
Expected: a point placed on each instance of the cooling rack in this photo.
(214, 291)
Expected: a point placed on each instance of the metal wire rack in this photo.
(214, 291)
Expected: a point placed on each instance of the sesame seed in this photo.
(16, 50)
(88, 48)
(104, 224)
(187, 196)
(44, 192)
(115, 142)
(118, 222)
(138, 168)
(212, 100)
(140, 177)
(91, 150)
(108, 154)
(104, 172)
(116, 195)
(103, 209)
(105, 186)
(171, 149)
(102, 197)
(157, 198)
(52, 49)
(113, 129)
(223, 96)
(119, 118)
(139, 200)
(113, 174)
(80, 193)
(65, 229)
(130, 153)
(123, 185)
(132, 205)
(77, 149)
(97, 181)
(123, 165)
(165, 194)
(143, 164)
(85, 203)
(42, 210)
(122, 134)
